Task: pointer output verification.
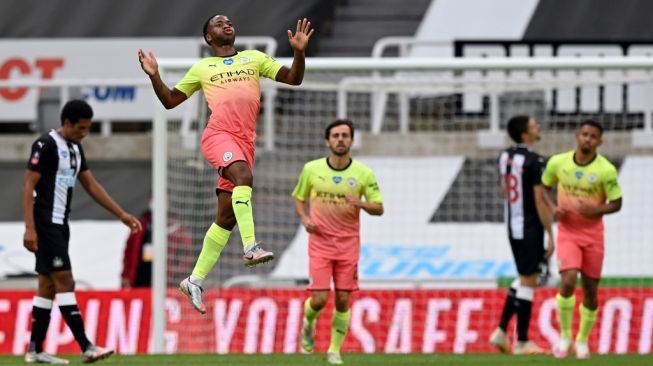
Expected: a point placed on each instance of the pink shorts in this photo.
(582, 253)
(343, 271)
(222, 150)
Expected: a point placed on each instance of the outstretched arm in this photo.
(170, 98)
(298, 42)
(100, 195)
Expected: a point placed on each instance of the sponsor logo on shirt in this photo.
(228, 61)
(227, 156)
(66, 177)
(236, 75)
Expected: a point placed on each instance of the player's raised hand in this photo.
(148, 62)
(30, 240)
(131, 222)
(299, 40)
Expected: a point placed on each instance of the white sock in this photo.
(196, 280)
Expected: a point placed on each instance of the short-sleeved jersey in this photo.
(59, 161)
(592, 184)
(338, 227)
(231, 86)
(521, 170)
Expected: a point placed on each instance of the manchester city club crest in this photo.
(592, 177)
(351, 182)
(579, 175)
(337, 179)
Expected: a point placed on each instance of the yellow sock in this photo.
(587, 320)
(241, 201)
(309, 313)
(565, 313)
(214, 241)
(339, 328)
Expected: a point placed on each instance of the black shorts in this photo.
(528, 253)
(52, 254)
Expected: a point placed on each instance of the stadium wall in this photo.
(399, 246)
(156, 18)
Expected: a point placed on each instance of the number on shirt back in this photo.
(512, 187)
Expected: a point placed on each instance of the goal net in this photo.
(435, 267)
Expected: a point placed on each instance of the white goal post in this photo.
(348, 77)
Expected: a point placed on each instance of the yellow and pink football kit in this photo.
(334, 246)
(232, 89)
(581, 239)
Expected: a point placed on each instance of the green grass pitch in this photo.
(355, 359)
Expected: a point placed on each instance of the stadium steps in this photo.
(358, 24)
(475, 195)
(409, 10)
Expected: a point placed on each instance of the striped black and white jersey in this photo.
(59, 161)
(521, 169)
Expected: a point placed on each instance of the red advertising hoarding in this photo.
(264, 321)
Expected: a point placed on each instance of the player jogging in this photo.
(230, 82)
(587, 189)
(527, 216)
(334, 186)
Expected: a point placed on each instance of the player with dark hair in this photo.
(587, 189)
(334, 185)
(56, 162)
(230, 82)
(527, 217)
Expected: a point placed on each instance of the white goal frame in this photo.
(642, 137)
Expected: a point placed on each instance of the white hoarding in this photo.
(96, 252)
(45, 59)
